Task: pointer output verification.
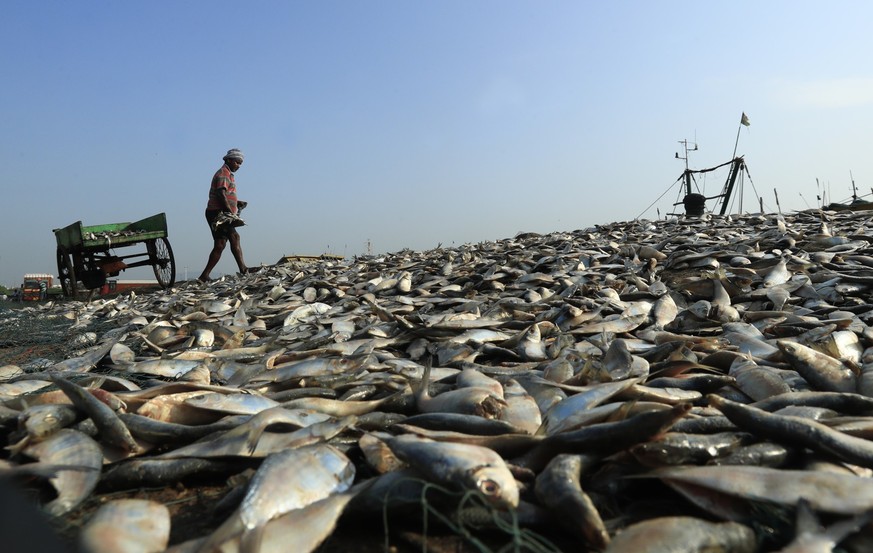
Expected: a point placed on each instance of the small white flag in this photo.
(744, 120)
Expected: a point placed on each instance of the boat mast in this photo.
(854, 188)
(737, 166)
(688, 172)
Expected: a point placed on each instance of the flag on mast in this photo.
(744, 120)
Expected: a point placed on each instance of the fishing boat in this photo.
(694, 200)
(695, 203)
(857, 203)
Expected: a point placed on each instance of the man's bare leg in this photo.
(236, 250)
(214, 256)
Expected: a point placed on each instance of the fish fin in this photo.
(420, 390)
(250, 541)
(839, 531)
(251, 443)
(363, 349)
(19, 446)
(243, 376)
(808, 522)
(806, 517)
(223, 533)
(622, 412)
(270, 360)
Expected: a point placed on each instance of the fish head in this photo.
(788, 347)
(41, 424)
(205, 400)
(497, 484)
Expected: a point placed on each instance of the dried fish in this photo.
(667, 534)
(71, 448)
(568, 361)
(559, 488)
(465, 466)
(286, 481)
(127, 526)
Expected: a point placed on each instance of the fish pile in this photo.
(691, 384)
(110, 234)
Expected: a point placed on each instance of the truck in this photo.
(35, 286)
(121, 286)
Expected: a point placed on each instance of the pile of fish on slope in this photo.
(691, 384)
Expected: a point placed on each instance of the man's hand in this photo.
(240, 206)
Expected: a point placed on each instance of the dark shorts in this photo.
(224, 231)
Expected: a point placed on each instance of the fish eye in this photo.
(489, 487)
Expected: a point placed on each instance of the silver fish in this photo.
(830, 492)
(563, 415)
(558, 487)
(112, 429)
(86, 362)
(464, 466)
(127, 526)
(813, 538)
(245, 439)
(473, 401)
(821, 370)
(40, 421)
(669, 534)
(233, 404)
(72, 448)
(778, 274)
(521, 409)
(286, 481)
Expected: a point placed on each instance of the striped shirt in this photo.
(223, 180)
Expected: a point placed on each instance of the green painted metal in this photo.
(76, 237)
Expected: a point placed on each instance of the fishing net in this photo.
(33, 339)
(470, 517)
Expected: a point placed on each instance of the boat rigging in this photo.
(694, 201)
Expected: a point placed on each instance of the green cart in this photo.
(84, 252)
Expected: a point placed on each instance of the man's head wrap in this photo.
(234, 153)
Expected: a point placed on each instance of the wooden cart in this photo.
(84, 252)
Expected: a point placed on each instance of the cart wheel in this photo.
(66, 274)
(161, 257)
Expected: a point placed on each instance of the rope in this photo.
(658, 198)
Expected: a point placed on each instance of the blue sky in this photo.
(398, 124)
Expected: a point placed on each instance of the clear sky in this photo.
(406, 124)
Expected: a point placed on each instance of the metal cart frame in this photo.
(83, 252)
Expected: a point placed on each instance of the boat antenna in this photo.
(687, 172)
(685, 145)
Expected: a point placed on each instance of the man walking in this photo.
(222, 214)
